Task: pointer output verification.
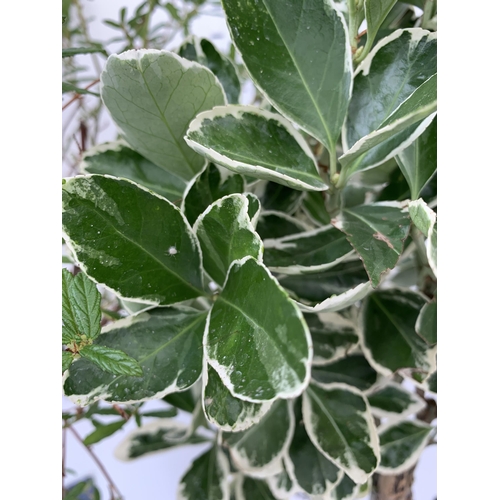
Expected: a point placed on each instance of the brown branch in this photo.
(112, 485)
(78, 96)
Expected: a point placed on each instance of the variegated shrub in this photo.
(274, 264)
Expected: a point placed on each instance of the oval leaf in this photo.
(152, 96)
(133, 241)
(103, 431)
(251, 141)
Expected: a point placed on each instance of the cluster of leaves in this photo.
(278, 263)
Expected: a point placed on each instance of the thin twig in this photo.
(99, 464)
(77, 96)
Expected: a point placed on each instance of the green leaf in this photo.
(281, 484)
(353, 370)
(375, 12)
(398, 65)
(283, 48)
(401, 445)
(281, 198)
(248, 488)
(210, 185)
(388, 334)
(111, 360)
(314, 207)
(135, 242)
(69, 87)
(394, 402)
(81, 308)
(167, 343)
(118, 159)
(206, 479)
(316, 287)
(67, 359)
(419, 108)
(226, 234)
(259, 450)
(346, 489)
(224, 410)
(377, 231)
(259, 356)
(273, 224)
(170, 413)
(73, 51)
(308, 252)
(254, 208)
(426, 325)
(431, 382)
(339, 423)
(103, 431)
(160, 435)
(152, 96)
(185, 401)
(315, 473)
(252, 141)
(425, 220)
(418, 162)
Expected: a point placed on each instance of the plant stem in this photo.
(99, 464)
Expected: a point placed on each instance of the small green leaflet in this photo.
(339, 423)
(69, 87)
(388, 335)
(259, 356)
(159, 435)
(418, 162)
(226, 234)
(73, 51)
(165, 341)
(377, 231)
(210, 185)
(401, 445)
(251, 141)
(111, 360)
(259, 450)
(135, 242)
(426, 325)
(271, 40)
(308, 252)
(103, 431)
(152, 96)
(118, 159)
(81, 308)
(223, 409)
(206, 479)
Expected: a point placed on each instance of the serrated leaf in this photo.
(152, 96)
(252, 141)
(103, 432)
(73, 51)
(391, 73)
(315, 474)
(167, 343)
(377, 231)
(271, 40)
(418, 162)
(69, 87)
(394, 402)
(339, 423)
(273, 224)
(81, 307)
(426, 325)
(111, 360)
(226, 234)
(258, 356)
(258, 451)
(135, 242)
(224, 410)
(308, 252)
(206, 479)
(401, 445)
(157, 436)
(118, 159)
(208, 187)
(67, 359)
(353, 370)
(388, 334)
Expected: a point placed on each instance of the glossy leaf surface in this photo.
(135, 242)
(377, 232)
(152, 96)
(259, 356)
(339, 423)
(166, 343)
(119, 160)
(251, 141)
(303, 48)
